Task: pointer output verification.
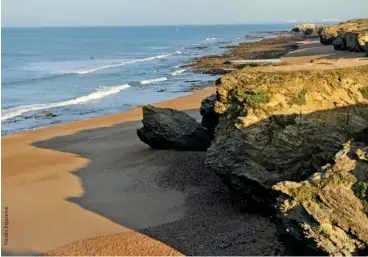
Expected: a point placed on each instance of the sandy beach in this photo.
(94, 178)
(94, 188)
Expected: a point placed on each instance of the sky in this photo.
(25, 13)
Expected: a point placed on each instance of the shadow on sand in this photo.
(167, 195)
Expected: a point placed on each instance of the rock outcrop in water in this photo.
(329, 210)
(165, 128)
(282, 126)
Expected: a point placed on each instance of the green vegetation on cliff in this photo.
(300, 98)
(288, 124)
(364, 91)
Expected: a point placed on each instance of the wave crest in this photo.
(82, 72)
(176, 73)
(150, 81)
(98, 94)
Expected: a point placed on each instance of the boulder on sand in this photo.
(165, 128)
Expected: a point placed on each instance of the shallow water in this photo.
(78, 73)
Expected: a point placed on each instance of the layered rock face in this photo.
(165, 128)
(329, 210)
(283, 126)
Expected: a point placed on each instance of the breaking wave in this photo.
(98, 94)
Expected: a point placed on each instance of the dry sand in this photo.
(95, 179)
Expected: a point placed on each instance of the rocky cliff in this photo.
(329, 210)
(351, 35)
(282, 126)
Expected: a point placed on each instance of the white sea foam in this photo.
(82, 72)
(211, 38)
(176, 73)
(98, 94)
(150, 81)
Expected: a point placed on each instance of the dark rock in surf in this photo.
(165, 128)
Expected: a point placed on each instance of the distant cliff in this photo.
(351, 35)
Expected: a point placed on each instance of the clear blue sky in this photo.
(172, 12)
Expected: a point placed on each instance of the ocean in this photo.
(56, 75)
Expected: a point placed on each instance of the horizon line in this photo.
(159, 25)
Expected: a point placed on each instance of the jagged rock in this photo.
(339, 43)
(165, 128)
(277, 126)
(328, 211)
(209, 116)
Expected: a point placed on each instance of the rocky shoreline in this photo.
(290, 144)
(271, 161)
(269, 45)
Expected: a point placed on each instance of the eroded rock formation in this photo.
(283, 126)
(351, 35)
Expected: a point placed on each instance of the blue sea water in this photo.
(78, 73)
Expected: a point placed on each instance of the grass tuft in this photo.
(364, 91)
(300, 98)
(254, 97)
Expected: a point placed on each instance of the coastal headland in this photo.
(91, 187)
